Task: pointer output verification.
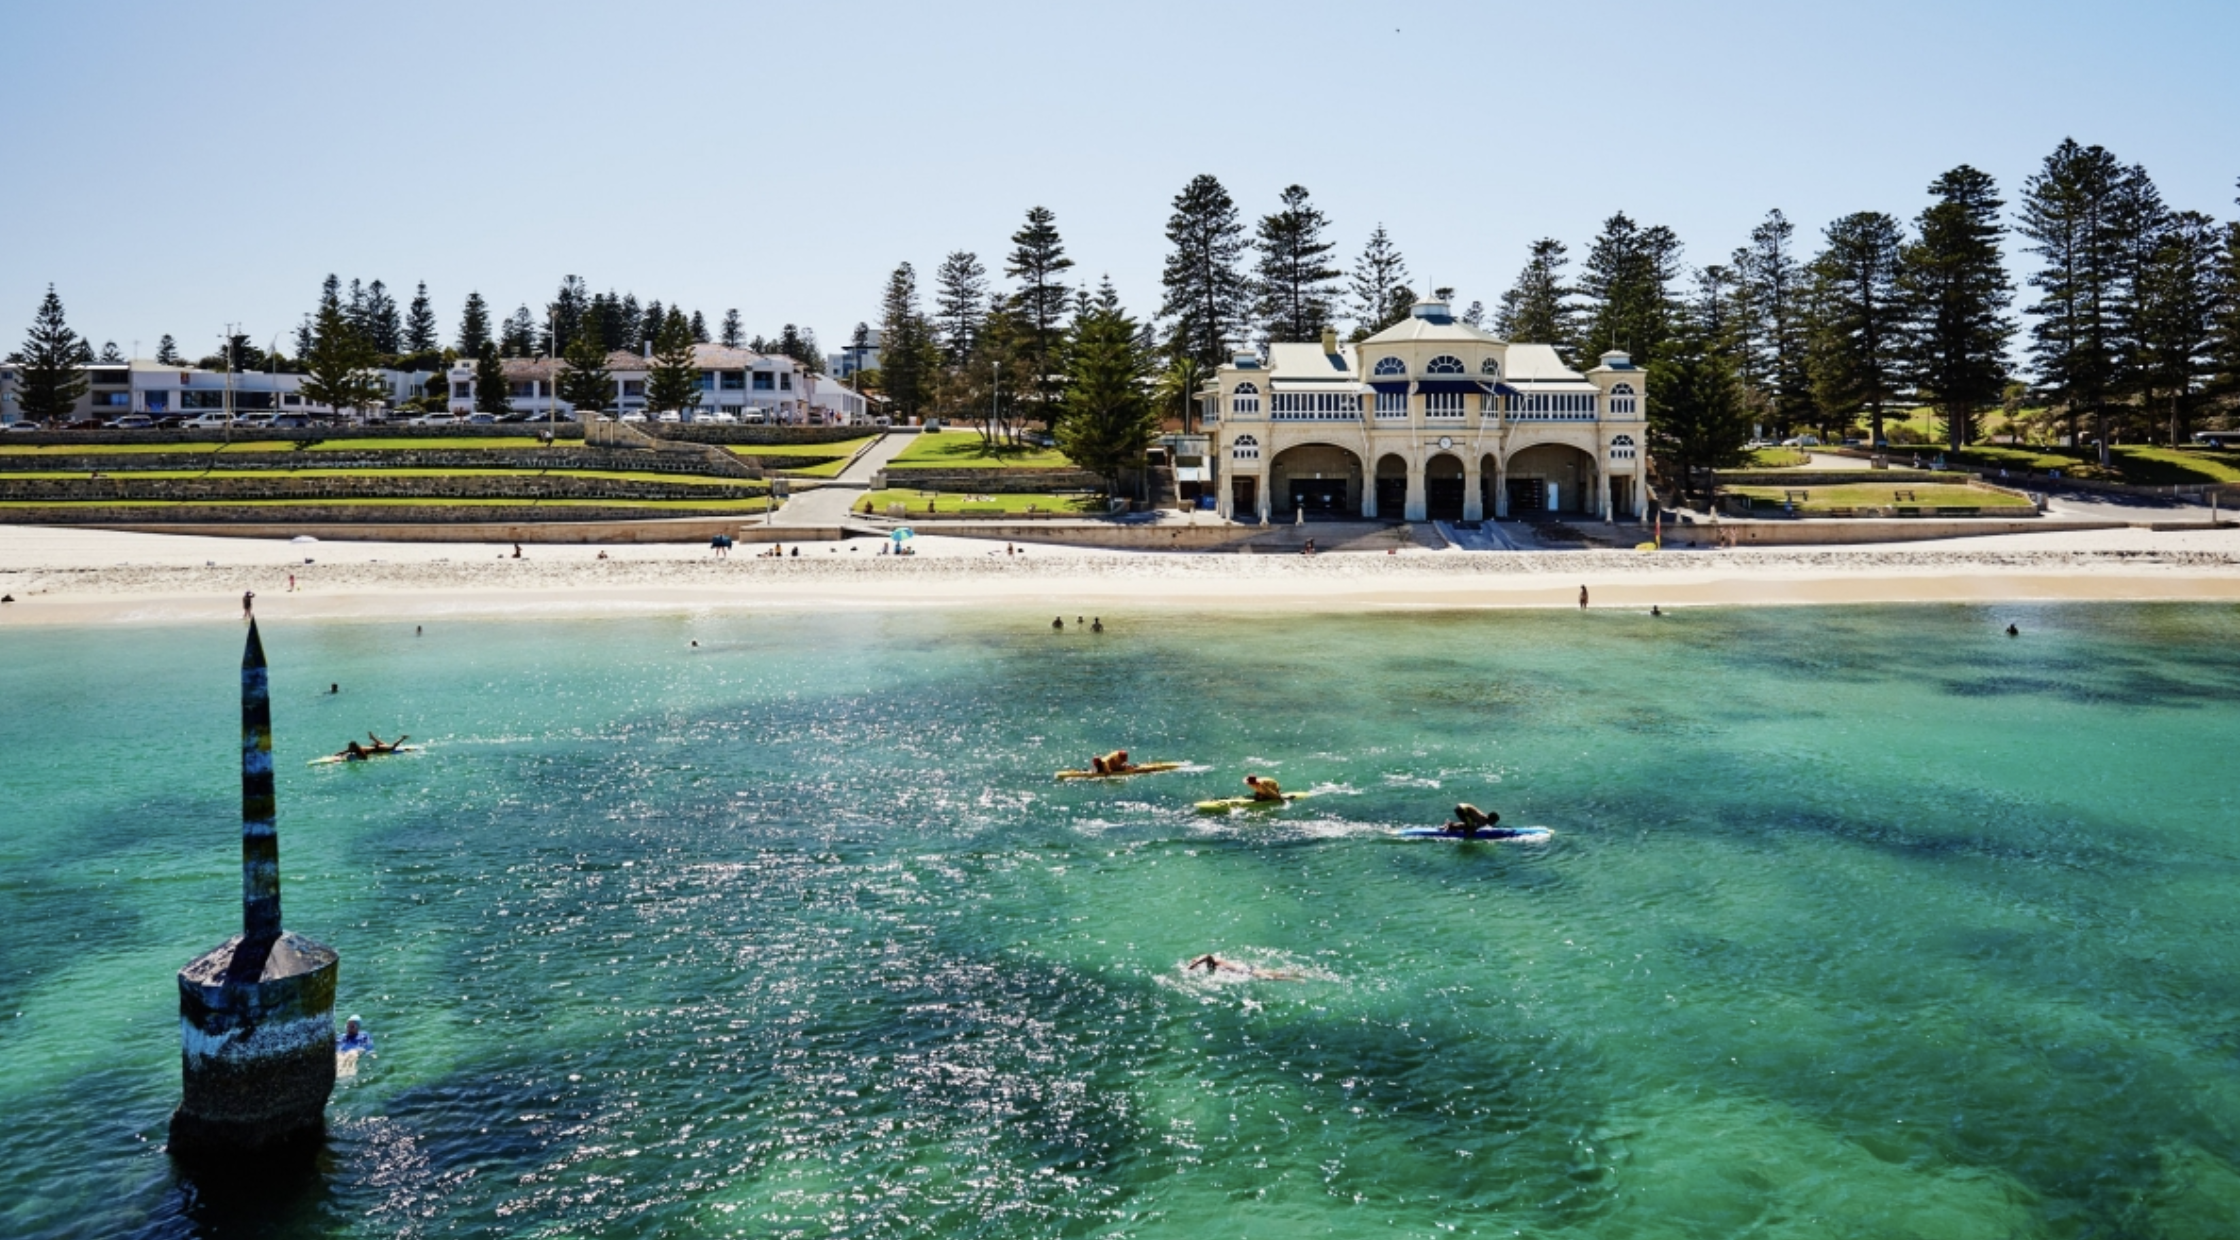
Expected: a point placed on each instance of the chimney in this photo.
(1330, 341)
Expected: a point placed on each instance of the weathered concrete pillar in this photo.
(1473, 486)
(256, 1013)
(1415, 507)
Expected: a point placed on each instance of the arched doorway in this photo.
(1552, 479)
(1392, 486)
(1320, 480)
(1442, 487)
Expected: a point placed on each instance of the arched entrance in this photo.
(1489, 477)
(1552, 479)
(1442, 487)
(1392, 486)
(1320, 480)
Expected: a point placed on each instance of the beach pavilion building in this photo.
(1429, 419)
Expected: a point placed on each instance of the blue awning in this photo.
(1448, 387)
(1392, 389)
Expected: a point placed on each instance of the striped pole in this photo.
(260, 836)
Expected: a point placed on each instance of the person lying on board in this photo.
(1215, 964)
(1472, 821)
(1263, 788)
(382, 746)
(1114, 763)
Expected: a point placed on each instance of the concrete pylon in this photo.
(256, 1013)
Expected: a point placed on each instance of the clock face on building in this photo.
(1446, 441)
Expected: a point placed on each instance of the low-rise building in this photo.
(750, 386)
(159, 390)
(1429, 419)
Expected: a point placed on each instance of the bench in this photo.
(1905, 495)
(1795, 497)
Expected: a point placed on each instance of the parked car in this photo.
(206, 422)
(433, 419)
(23, 426)
(754, 417)
(133, 422)
(480, 419)
(717, 417)
(292, 421)
(633, 416)
(672, 416)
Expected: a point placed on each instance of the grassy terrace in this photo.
(876, 502)
(757, 504)
(1879, 495)
(261, 474)
(280, 445)
(966, 450)
(1777, 458)
(839, 451)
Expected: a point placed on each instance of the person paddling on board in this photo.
(1114, 763)
(1214, 964)
(382, 746)
(1470, 821)
(1263, 788)
(353, 752)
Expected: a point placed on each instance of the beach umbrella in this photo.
(303, 538)
(902, 533)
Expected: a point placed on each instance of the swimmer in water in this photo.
(1215, 964)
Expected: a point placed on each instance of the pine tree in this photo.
(563, 317)
(800, 344)
(303, 337)
(1296, 287)
(167, 351)
(354, 311)
(585, 382)
(2174, 323)
(1856, 335)
(960, 304)
(630, 322)
(1038, 260)
(1475, 315)
(421, 332)
(2069, 215)
(699, 328)
(2224, 341)
(1379, 290)
(1954, 283)
(474, 326)
(49, 381)
(1107, 421)
(519, 337)
(1770, 309)
(492, 394)
(383, 329)
(1627, 282)
(1697, 419)
(649, 331)
(673, 381)
(909, 358)
(1539, 307)
(734, 332)
(1207, 299)
(338, 367)
(110, 354)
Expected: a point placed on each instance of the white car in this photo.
(433, 419)
(133, 422)
(206, 422)
(672, 416)
(717, 417)
(633, 416)
(23, 426)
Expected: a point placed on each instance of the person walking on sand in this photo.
(1582, 598)
(291, 583)
(517, 551)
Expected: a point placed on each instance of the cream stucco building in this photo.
(1429, 419)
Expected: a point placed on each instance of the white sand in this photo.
(93, 577)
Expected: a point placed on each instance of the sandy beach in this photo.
(58, 576)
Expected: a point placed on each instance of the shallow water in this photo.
(1862, 922)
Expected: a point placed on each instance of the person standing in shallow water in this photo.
(1582, 598)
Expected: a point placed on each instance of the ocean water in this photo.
(1857, 922)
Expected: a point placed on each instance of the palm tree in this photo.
(1179, 384)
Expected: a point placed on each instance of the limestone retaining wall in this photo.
(988, 481)
(126, 488)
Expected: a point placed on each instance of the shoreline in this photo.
(81, 578)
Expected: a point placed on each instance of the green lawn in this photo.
(966, 450)
(128, 449)
(844, 449)
(1777, 458)
(1881, 495)
(609, 475)
(756, 504)
(876, 502)
(432, 444)
(2138, 465)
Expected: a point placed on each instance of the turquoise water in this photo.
(1864, 922)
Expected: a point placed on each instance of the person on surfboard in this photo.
(1114, 763)
(382, 746)
(1471, 821)
(1263, 788)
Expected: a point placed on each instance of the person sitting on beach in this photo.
(1470, 821)
(1114, 763)
(1263, 788)
(354, 1038)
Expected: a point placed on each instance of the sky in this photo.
(172, 168)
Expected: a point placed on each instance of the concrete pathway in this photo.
(833, 500)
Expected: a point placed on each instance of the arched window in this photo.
(1244, 448)
(1622, 403)
(1391, 366)
(1621, 448)
(1490, 369)
(1245, 399)
(1445, 364)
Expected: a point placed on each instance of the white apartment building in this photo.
(157, 390)
(735, 381)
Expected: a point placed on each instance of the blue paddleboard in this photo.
(1493, 835)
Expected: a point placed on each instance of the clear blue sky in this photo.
(174, 167)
